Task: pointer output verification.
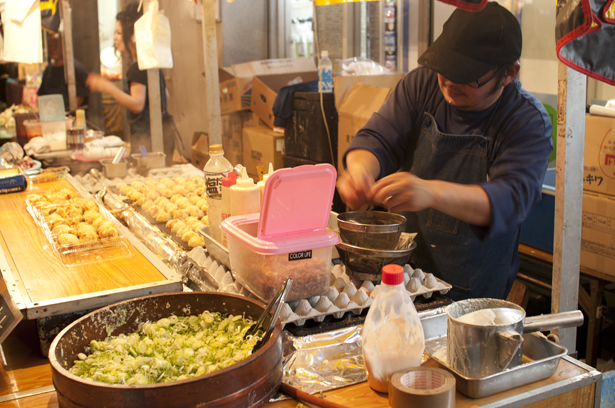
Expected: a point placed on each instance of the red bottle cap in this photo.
(229, 180)
(392, 274)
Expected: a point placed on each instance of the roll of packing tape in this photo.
(422, 387)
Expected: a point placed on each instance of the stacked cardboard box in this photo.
(598, 228)
(357, 98)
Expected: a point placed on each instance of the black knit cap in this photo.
(474, 42)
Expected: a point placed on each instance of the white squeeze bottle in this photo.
(393, 338)
(215, 168)
(325, 73)
(245, 196)
(261, 183)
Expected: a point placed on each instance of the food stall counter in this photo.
(49, 286)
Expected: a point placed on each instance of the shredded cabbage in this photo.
(173, 348)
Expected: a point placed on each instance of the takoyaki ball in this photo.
(196, 241)
(147, 205)
(178, 225)
(182, 203)
(162, 216)
(152, 195)
(110, 232)
(195, 211)
(170, 207)
(67, 239)
(63, 229)
(187, 235)
(180, 214)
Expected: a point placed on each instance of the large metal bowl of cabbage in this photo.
(173, 350)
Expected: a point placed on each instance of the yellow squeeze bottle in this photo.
(245, 196)
(261, 183)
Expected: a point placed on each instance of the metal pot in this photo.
(477, 349)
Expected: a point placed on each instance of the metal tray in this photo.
(540, 360)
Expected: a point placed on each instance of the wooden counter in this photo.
(28, 374)
(48, 287)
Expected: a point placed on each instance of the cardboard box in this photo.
(236, 81)
(361, 102)
(251, 119)
(599, 163)
(266, 87)
(343, 84)
(262, 146)
(200, 149)
(232, 144)
(598, 233)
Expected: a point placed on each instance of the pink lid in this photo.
(294, 214)
(297, 200)
(392, 274)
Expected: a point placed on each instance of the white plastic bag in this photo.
(153, 38)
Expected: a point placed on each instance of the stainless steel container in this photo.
(112, 170)
(479, 350)
(154, 160)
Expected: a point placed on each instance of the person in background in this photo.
(136, 98)
(54, 79)
(461, 150)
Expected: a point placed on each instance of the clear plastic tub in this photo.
(264, 273)
(289, 238)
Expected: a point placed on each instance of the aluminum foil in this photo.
(151, 236)
(324, 361)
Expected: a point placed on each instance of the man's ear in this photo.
(511, 73)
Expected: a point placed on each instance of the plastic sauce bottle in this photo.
(245, 196)
(227, 182)
(393, 338)
(261, 183)
(325, 73)
(215, 169)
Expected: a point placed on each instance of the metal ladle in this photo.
(276, 302)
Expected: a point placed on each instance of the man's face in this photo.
(469, 97)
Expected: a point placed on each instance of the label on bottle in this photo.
(325, 80)
(213, 185)
(296, 256)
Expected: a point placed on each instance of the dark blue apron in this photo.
(447, 247)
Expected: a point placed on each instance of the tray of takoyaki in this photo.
(74, 223)
(177, 206)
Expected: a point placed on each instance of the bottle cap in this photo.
(216, 149)
(392, 274)
(229, 180)
(245, 181)
(324, 53)
(266, 176)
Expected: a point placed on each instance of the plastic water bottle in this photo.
(215, 168)
(325, 73)
(393, 338)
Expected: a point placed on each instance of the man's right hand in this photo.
(354, 185)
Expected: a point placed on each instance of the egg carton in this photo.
(345, 294)
(92, 185)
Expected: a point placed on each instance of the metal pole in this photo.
(212, 83)
(69, 59)
(572, 88)
(153, 89)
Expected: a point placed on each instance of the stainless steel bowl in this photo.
(371, 229)
(366, 263)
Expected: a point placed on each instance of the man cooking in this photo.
(460, 149)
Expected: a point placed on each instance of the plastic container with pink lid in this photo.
(289, 238)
